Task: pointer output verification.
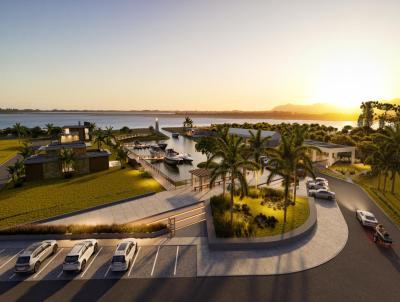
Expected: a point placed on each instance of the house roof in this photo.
(320, 144)
(246, 133)
(200, 172)
(58, 146)
(75, 126)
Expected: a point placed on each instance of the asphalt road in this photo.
(363, 271)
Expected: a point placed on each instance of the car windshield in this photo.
(23, 259)
(71, 259)
(119, 259)
(370, 217)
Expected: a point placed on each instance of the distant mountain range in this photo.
(317, 108)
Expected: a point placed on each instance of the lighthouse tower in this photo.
(157, 126)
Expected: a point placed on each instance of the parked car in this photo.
(316, 186)
(79, 255)
(123, 255)
(321, 179)
(30, 259)
(322, 194)
(366, 218)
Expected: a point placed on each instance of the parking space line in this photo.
(176, 259)
(87, 268)
(134, 260)
(155, 260)
(109, 267)
(5, 263)
(12, 276)
(60, 273)
(37, 274)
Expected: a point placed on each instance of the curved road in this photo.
(363, 271)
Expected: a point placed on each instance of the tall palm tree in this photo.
(284, 160)
(49, 128)
(379, 163)
(109, 136)
(188, 122)
(26, 150)
(16, 172)
(99, 137)
(229, 156)
(19, 130)
(92, 128)
(67, 159)
(257, 145)
(122, 155)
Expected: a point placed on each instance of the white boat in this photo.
(172, 157)
(186, 157)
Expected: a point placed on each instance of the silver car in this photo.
(123, 255)
(322, 194)
(30, 259)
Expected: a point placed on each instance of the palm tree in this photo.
(284, 161)
(26, 150)
(92, 127)
(99, 137)
(109, 136)
(188, 122)
(19, 130)
(67, 159)
(379, 163)
(16, 172)
(257, 145)
(229, 156)
(122, 155)
(49, 128)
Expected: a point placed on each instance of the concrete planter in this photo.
(216, 243)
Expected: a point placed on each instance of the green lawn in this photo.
(389, 202)
(349, 169)
(43, 199)
(8, 148)
(296, 215)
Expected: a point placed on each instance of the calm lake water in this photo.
(182, 145)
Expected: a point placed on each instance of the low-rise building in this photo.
(330, 152)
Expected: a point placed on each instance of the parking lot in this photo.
(151, 261)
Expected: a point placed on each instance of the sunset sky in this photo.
(197, 55)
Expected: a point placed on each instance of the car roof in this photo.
(77, 248)
(30, 249)
(122, 246)
(367, 213)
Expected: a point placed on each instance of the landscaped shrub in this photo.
(242, 226)
(263, 221)
(219, 203)
(253, 192)
(146, 174)
(83, 229)
(272, 194)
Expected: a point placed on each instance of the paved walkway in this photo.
(4, 176)
(139, 208)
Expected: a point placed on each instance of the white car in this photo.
(322, 194)
(123, 255)
(321, 179)
(317, 185)
(30, 259)
(366, 218)
(79, 255)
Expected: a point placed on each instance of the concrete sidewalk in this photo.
(138, 209)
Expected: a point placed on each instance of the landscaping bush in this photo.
(263, 221)
(219, 203)
(253, 192)
(242, 226)
(83, 229)
(146, 174)
(272, 194)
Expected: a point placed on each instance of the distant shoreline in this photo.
(221, 114)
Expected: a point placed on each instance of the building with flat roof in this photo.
(245, 133)
(330, 152)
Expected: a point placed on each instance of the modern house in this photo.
(274, 141)
(47, 164)
(330, 152)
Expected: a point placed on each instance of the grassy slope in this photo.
(296, 215)
(8, 148)
(389, 202)
(42, 199)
